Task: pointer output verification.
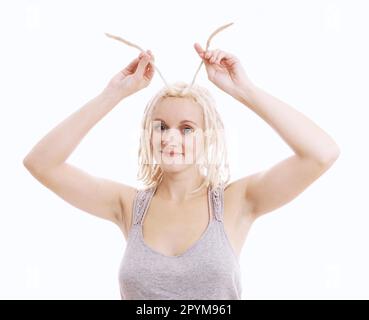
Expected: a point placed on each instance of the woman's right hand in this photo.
(136, 76)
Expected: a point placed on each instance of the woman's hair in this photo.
(215, 165)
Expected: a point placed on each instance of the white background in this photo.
(311, 54)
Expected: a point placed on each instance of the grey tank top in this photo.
(209, 269)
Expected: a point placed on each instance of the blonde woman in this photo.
(186, 229)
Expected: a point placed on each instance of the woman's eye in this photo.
(188, 128)
(160, 127)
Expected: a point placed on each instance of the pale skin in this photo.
(174, 130)
(246, 199)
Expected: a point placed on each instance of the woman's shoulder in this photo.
(236, 186)
(236, 191)
(127, 196)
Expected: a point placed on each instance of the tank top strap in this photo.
(217, 200)
(141, 201)
(143, 197)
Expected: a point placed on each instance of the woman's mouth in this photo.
(171, 153)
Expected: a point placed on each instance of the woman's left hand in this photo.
(224, 70)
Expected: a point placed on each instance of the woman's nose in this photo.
(172, 136)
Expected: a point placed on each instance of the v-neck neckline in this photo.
(211, 218)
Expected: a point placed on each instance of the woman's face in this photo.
(178, 133)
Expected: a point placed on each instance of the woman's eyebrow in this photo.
(180, 122)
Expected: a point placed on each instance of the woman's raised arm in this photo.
(47, 160)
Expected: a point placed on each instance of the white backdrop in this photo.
(311, 54)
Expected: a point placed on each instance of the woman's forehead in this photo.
(174, 109)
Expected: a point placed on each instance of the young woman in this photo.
(185, 231)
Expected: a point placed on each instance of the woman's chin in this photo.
(174, 162)
(174, 165)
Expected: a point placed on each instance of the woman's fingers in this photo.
(149, 71)
(214, 56)
(145, 66)
(142, 63)
(146, 54)
(222, 57)
(198, 49)
(209, 56)
(132, 66)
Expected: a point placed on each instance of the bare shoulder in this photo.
(239, 187)
(127, 195)
(235, 197)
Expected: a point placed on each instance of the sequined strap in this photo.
(217, 196)
(141, 201)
